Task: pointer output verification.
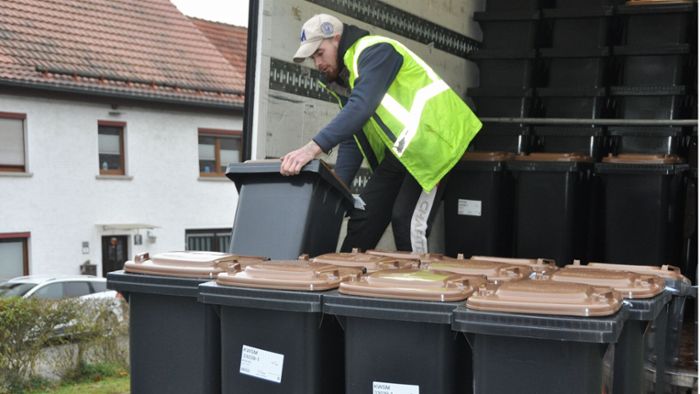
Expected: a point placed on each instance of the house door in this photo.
(114, 253)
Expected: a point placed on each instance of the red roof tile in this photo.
(230, 40)
(129, 48)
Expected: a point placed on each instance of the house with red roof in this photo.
(117, 121)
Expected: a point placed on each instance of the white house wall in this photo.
(63, 200)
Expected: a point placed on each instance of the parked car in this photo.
(86, 288)
(53, 287)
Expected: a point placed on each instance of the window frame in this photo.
(23, 118)
(213, 234)
(122, 156)
(217, 134)
(24, 238)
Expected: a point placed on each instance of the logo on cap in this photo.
(327, 28)
(303, 35)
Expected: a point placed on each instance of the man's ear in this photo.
(336, 39)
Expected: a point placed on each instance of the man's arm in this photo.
(378, 66)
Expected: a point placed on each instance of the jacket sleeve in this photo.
(348, 162)
(378, 66)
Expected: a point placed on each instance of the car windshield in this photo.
(8, 289)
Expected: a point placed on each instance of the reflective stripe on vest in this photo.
(409, 118)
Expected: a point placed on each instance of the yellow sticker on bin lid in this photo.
(546, 298)
(495, 272)
(187, 264)
(414, 284)
(629, 284)
(421, 257)
(370, 262)
(289, 275)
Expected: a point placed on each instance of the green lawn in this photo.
(111, 385)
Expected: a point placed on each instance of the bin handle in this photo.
(141, 257)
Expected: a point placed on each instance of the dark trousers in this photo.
(393, 195)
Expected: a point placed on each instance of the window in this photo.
(13, 255)
(52, 291)
(111, 147)
(12, 142)
(214, 240)
(218, 148)
(75, 289)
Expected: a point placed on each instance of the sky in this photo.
(233, 12)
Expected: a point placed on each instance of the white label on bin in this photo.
(261, 364)
(393, 388)
(468, 207)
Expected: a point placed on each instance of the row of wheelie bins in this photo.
(564, 206)
(388, 322)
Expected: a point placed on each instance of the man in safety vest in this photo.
(398, 115)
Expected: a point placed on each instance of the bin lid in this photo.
(494, 271)
(668, 272)
(546, 156)
(547, 298)
(187, 264)
(414, 284)
(372, 262)
(633, 158)
(487, 156)
(629, 284)
(539, 265)
(288, 275)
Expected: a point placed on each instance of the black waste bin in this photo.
(540, 336)
(512, 29)
(479, 206)
(589, 27)
(645, 301)
(503, 102)
(646, 140)
(552, 193)
(173, 339)
(650, 102)
(654, 66)
(587, 141)
(576, 67)
(680, 289)
(501, 137)
(283, 217)
(274, 336)
(573, 102)
(397, 332)
(657, 24)
(641, 198)
(507, 68)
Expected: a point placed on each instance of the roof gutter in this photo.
(130, 96)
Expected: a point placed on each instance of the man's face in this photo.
(326, 58)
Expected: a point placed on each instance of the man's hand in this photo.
(293, 161)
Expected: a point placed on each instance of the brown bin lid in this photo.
(487, 156)
(547, 298)
(629, 284)
(634, 158)
(536, 265)
(669, 272)
(546, 156)
(288, 275)
(368, 261)
(422, 257)
(190, 264)
(414, 284)
(494, 271)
